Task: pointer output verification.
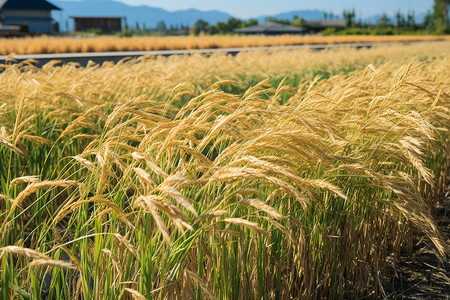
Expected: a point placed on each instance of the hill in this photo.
(143, 15)
(149, 17)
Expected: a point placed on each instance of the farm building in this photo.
(105, 24)
(9, 31)
(271, 28)
(318, 25)
(30, 15)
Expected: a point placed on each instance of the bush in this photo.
(329, 31)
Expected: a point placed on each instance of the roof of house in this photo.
(98, 18)
(29, 5)
(324, 23)
(270, 28)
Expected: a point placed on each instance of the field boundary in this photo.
(115, 56)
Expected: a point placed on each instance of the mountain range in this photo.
(143, 15)
(149, 17)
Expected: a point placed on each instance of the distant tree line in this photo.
(161, 28)
(200, 27)
(435, 21)
(439, 19)
(229, 26)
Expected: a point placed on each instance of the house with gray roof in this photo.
(30, 15)
(105, 24)
(318, 25)
(271, 28)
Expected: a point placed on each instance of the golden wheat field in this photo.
(286, 174)
(46, 44)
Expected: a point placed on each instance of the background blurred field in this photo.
(281, 174)
(45, 44)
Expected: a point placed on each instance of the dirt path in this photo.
(422, 275)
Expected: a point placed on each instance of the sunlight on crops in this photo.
(46, 44)
(284, 174)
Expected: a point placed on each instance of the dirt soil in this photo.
(423, 275)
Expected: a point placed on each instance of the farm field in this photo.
(284, 174)
(47, 44)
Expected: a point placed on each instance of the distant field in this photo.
(100, 44)
(269, 175)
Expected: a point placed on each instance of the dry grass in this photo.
(47, 44)
(193, 177)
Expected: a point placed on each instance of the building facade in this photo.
(105, 24)
(318, 25)
(270, 28)
(30, 15)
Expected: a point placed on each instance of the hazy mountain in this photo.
(305, 14)
(319, 15)
(150, 16)
(418, 18)
(143, 14)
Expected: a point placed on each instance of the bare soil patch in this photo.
(423, 275)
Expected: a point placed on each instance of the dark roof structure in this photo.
(271, 28)
(29, 5)
(105, 24)
(97, 17)
(320, 24)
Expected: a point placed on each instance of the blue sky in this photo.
(254, 8)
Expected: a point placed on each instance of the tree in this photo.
(411, 20)
(161, 26)
(384, 21)
(400, 19)
(231, 25)
(252, 22)
(440, 15)
(200, 26)
(298, 22)
(234, 23)
(273, 19)
(349, 17)
(428, 21)
(360, 24)
(221, 27)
